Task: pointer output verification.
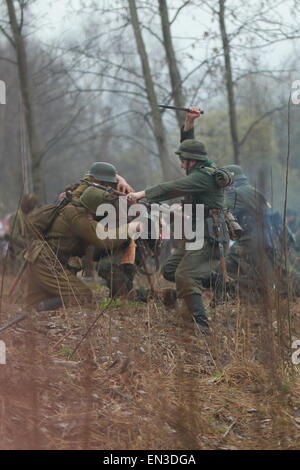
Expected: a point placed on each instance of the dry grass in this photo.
(145, 379)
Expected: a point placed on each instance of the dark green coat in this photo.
(191, 269)
(200, 185)
(248, 205)
(249, 261)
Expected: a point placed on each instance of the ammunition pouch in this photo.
(217, 227)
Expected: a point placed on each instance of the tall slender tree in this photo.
(158, 126)
(229, 82)
(18, 42)
(175, 78)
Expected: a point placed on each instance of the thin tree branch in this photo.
(257, 121)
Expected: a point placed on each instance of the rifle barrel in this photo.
(17, 319)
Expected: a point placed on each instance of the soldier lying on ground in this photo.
(191, 269)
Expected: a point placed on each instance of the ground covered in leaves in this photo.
(145, 378)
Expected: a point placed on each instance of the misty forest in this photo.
(82, 81)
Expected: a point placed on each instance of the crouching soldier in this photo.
(51, 282)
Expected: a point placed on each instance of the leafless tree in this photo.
(17, 40)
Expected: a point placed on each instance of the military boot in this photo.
(195, 305)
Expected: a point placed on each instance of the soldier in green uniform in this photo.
(249, 260)
(256, 261)
(191, 269)
(50, 280)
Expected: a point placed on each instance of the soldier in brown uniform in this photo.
(100, 172)
(51, 283)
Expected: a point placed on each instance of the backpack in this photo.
(222, 177)
(39, 221)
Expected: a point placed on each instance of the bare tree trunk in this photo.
(158, 127)
(34, 147)
(176, 83)
(229, 83)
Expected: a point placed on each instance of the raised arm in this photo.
(187, 130)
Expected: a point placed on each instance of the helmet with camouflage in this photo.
(192, 149)
(236, 171)
(92, 197)
(103, 171)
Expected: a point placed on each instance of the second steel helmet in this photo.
(236, 171)
(103, 171)
(192, 149)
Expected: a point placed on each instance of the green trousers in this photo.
(191, 269)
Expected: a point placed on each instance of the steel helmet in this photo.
(103, 171)
(236, 171)
(192, 149)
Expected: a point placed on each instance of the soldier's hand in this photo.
(123, 186)
(193, 113)
(134, 197)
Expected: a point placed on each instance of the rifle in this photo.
(17, 319)
(111, 190)
(218, 232)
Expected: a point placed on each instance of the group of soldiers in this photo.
(250, 264)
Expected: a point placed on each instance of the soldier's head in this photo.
(104, 173)
(190, 152)
(28, 203)
(91, 198)
(236, 171)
